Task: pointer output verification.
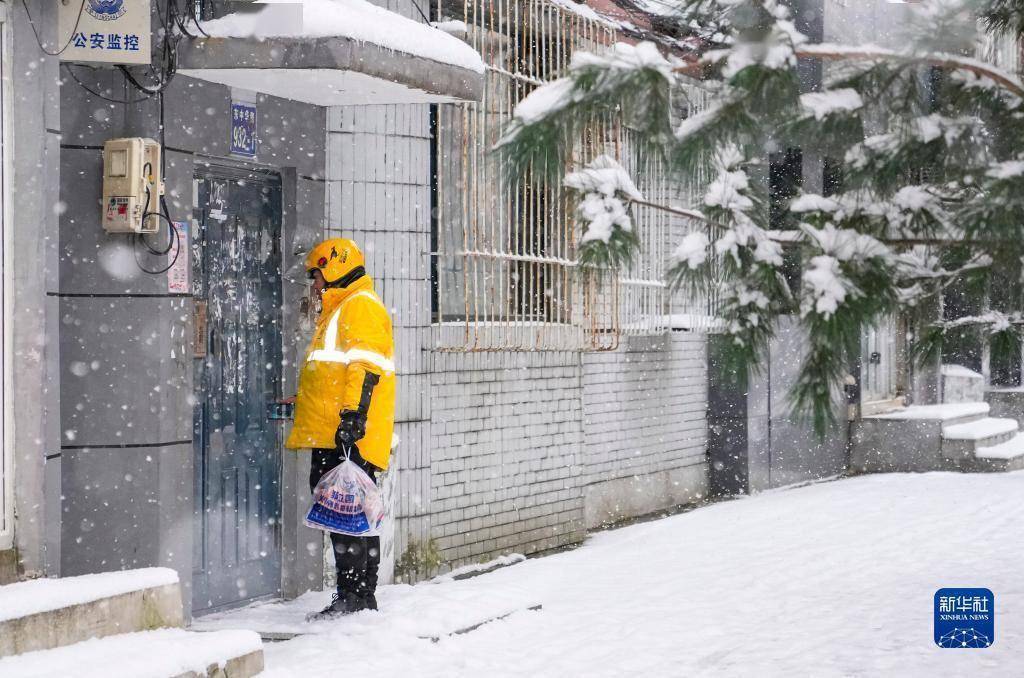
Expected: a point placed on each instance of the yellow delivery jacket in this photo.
(349, 365)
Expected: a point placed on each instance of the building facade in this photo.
(534, 403)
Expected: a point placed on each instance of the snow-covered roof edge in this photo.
(354, 19)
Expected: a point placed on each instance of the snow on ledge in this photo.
(143, 654)
(354, 19)
(978, 430)
(478, 568)
(943, 412)
(1007, 389)
(1011, 449)
(960, 371)
(45, 595)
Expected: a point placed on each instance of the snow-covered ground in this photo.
(830, 579)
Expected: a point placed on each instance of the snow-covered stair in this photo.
(164, 653)
(44, 613)
(910, 438)
(114, 624)
(962, 441)
(1005, 456)
(947, 437)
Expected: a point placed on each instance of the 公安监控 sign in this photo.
(106, 31)
(243, 130)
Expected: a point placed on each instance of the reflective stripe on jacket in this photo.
(349, 365)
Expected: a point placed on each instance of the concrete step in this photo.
(1005, 456)
(41, 614)
(164, 653)
(961, 441)
(909, 438)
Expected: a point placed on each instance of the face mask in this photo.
(308, 311)
(305, 324)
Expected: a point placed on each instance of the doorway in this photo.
(879, 367)
(238, 353)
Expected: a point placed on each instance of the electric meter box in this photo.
(132, 185)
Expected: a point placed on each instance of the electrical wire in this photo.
(166, 216)
(98, 95)
(169, 19)
(171, 231)
(174, 260)
(191, 20)
(74, 30)
(150, 91)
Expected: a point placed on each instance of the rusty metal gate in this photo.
(505, 250)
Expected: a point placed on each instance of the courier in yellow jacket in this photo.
(347, 380)
(346, 401)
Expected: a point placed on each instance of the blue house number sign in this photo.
(243, 130)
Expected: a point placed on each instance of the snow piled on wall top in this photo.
(354, 19)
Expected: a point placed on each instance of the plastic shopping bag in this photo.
(346, 501)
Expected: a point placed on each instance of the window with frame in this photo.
(503, 266)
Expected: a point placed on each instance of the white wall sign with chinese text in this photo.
(108, 31)
(177, 274)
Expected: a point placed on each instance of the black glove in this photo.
(351, 429)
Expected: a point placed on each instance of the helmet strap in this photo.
(349, 278)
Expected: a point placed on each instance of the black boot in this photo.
(342, 603)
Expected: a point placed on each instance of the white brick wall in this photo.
(645, 426)
(505, 468)
(644, 406)
(520, 439)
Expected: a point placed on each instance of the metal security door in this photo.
(238, 371)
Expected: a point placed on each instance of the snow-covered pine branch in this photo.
(633, 82)
(605, 190)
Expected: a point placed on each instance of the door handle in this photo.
(277, 410)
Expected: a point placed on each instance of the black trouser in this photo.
(357, 559)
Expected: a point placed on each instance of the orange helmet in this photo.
(338, 260)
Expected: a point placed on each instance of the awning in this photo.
(334, 53)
